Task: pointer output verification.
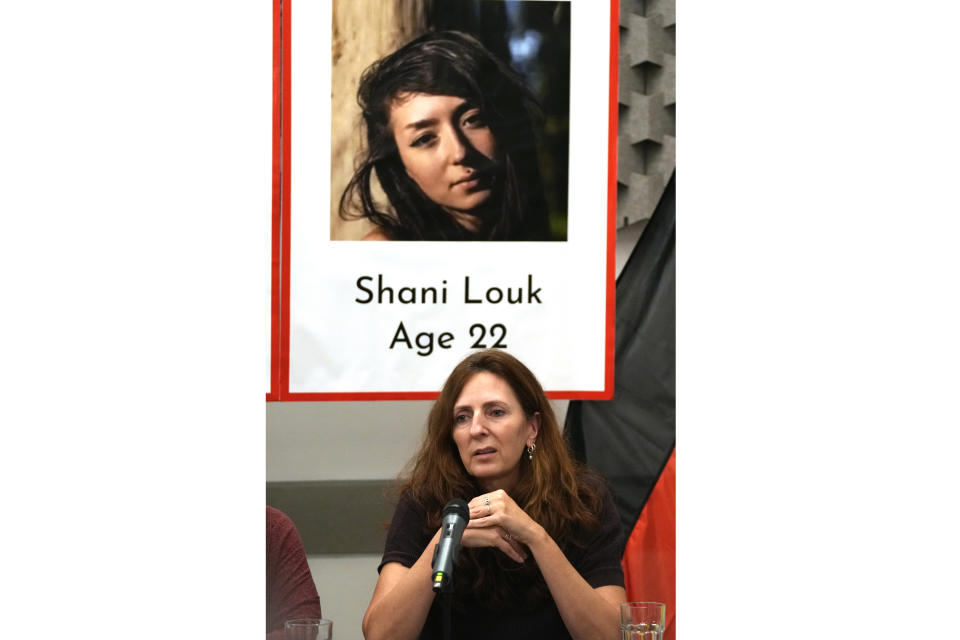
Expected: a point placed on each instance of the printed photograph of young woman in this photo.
(457, 142)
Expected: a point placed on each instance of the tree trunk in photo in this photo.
(363, 31)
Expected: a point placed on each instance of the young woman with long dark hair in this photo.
(450, 139)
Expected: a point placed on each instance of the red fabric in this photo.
(649, 560)
(291, 592)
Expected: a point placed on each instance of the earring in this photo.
(530, 449)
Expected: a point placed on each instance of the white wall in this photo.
(345, 584)
(341, 440)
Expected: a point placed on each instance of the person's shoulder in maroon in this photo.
(291, 592)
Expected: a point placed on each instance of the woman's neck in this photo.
(507, 483)
(468, 221)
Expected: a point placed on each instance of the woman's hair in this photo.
(553, 488)
(449, 63)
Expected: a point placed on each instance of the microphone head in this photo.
(457, 507)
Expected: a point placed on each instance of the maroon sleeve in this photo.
(291, 592)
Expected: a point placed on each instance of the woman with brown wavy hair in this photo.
(541, 552)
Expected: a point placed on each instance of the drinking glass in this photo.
(642, 620)
(308, 629)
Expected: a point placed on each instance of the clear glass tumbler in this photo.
(308, 629)
(642, 620)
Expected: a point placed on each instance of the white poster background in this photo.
(338, 345)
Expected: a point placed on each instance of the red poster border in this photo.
(280, 241)
(276, 203)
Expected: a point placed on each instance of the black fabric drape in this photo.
(629, 439)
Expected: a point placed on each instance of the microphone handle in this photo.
(446, 551)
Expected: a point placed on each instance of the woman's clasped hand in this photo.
(496, 521)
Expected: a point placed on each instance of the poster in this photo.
(483, 263)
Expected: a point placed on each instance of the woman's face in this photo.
(446, 147)
(491, 431)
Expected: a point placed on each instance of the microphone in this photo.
(455, 517)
